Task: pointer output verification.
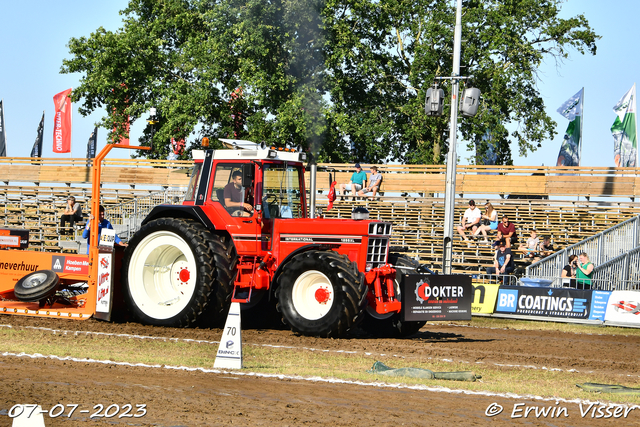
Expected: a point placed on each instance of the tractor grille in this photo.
(379, 235)
(380, 229)
(377, 251)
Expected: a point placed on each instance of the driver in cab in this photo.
(234, 196)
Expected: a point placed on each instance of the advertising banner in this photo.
(599, 300)
(77, 264)
(436, 297)
(484, 298)
(623, 307)
(62, 122)
(105, 273)
(16, 238)
(544, 302)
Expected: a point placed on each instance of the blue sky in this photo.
(34, 35)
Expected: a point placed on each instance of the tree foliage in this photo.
(346, 78)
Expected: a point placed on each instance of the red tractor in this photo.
(243, 234)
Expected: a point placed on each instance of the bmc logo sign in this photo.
(507, 300)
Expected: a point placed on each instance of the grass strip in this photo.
(288, 361)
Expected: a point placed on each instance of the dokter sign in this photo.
(436, 297)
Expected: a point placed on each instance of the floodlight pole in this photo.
(452, 160)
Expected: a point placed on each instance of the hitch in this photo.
(382, 294)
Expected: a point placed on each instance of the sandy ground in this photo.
(180, 398)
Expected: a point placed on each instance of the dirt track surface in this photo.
(180, 398)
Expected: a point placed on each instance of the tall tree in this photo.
(344, 77)
(385, 54)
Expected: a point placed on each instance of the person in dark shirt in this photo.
(234, 196)
(502, 261)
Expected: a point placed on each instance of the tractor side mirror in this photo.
(247, 175)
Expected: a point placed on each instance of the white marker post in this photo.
(27, 416)
(229, 354)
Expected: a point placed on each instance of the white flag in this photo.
(572, 107)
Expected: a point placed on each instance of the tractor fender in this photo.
(312, 247)
(179, 211)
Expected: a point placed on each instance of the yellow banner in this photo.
(484, 298)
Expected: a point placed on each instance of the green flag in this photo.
(625, 138)
(570, 148)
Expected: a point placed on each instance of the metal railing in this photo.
(601, 248)
(126, 218)
(615, 253)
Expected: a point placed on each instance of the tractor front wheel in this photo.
(321, 293)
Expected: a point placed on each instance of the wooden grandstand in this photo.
(33, 193)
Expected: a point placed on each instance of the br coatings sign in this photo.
(546, 302)
(436, 297)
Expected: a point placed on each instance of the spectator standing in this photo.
(356, 183)
(569, 272)
(102, 223)
(375, 179)
(506, 232)
(469, 221)
(531, 248)
(488, 222)
(502, 261)
(72, 213)
(584, 272)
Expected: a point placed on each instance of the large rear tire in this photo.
(321, 293)
(391, 325)
(172, 270)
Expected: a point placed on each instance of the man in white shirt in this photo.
(374, 183)
(470, 220)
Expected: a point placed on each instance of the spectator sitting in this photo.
(506, 232)
(531, 248)
(356, 183)
(102, 223)
(584, 272)
(546, 249)
(375, 179)
(488, 222)
(569, 272)
(470, 220)
(71, 214)
(502, 261)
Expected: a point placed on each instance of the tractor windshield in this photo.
(281, 191)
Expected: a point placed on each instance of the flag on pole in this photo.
(36, 151)
(625, 136)
(570, 148)
(91, 146)
(62, 122)
(3, 134)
